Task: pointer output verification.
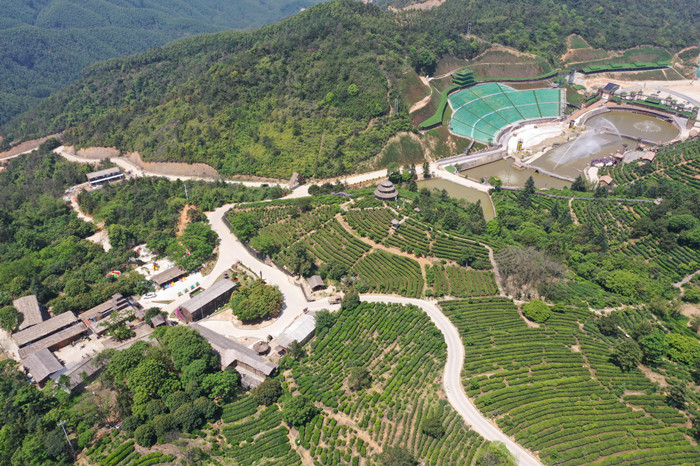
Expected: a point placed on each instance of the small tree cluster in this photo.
(537, 311)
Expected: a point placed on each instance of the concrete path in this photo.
(452, 380)
(231, 250)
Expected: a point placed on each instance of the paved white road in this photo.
(232, 250)
(452, 380)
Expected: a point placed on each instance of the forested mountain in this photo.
(45, 43)
(317, 92)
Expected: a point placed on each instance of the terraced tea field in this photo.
(556, 391)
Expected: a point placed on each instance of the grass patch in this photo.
(577, 42)
(404, 151)
(412, 89)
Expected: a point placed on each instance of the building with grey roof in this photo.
(29, 307)
(169, 275)
(41, 365)
(207, 301)
(235, 354)
(108, 175)
(301, 330)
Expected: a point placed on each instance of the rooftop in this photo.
(168, 275)
(300, 330)
(28, 306)
(44, 328)
(231, 351)
(316, 282)
(116, 302)
(210, 294)
(54, 339)
(605, 179)
(103, 173)
(41, 364)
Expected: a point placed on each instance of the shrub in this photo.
(536, 311)
(298, 411)
(130, 424)
(432, 425)
(267, 392)
(627, 354)
(145, 436)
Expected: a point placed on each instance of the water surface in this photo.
(462, 192)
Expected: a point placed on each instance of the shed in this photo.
(28, 306)
(44, 329)
(386, 191)
(105, 176)
(207, 301)
(158, 320)
(41, 364)
(648, 156)
(316, 283)
(166, 276)
(395, 223)
(300, 330)
(605, 180)
(295, 180)
(55, 340)
(261, 347)
(235, 354)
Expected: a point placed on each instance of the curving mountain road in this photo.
(231, 249)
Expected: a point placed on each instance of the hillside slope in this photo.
(44, 44)
(319, 92)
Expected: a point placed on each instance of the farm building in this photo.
(41, 365)
(316, 283)
(207, 301)
(52, 334)
(101, 177)
(261, 347)
(647, 157)
(28, 306)
(96, 318)
(386, 191)
(609, 90)
(300, 330)
(295, 180)
(605, 180)
(233, 354)
(167, 276)
(158, 320)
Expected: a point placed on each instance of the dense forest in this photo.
(318, 92)
(45, 44)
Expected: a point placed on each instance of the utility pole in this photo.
(63, 425)
(469, 29)
(187, 195)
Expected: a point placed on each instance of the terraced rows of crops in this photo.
(680, 161)
(404, 353)
(462, 283)
(260, 439)
(556, 391)
(287, 230)
(332, 242)
(109, 451)
(382, 272)
(411, 238)
(450, 247)
(616, 217)
(674, 263)
(372, 223)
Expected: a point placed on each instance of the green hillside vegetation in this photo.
(317, 93)
(560, 391)
(45, 44)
